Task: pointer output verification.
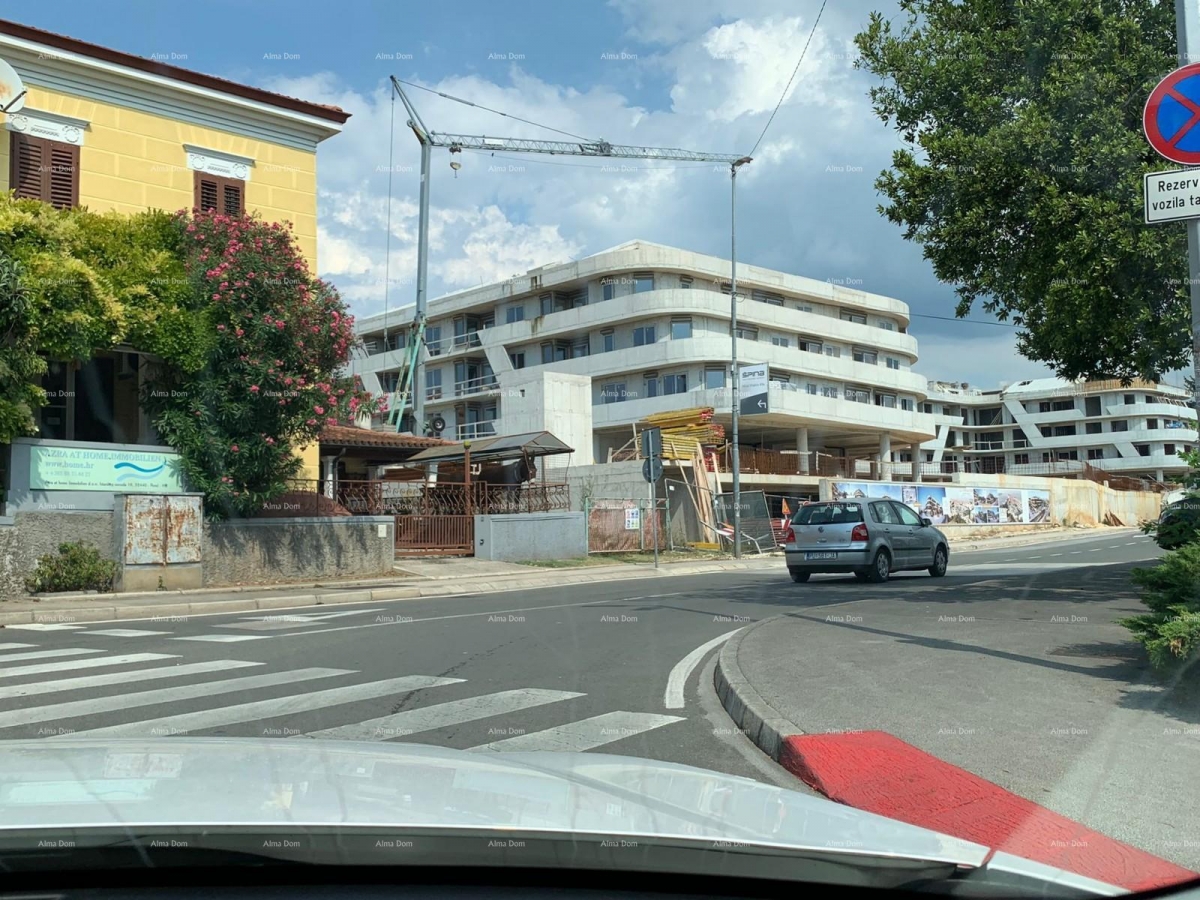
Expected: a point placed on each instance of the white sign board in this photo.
(754, 389)
(633, 519)
(1172, 196)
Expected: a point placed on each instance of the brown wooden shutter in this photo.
(232, 193)
(26, 166)
(45, 170)
(62, 187)
(225, 195)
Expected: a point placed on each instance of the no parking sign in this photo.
(1171, 122)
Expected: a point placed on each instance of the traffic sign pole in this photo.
(1187, 31)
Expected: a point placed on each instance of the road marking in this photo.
(223, 638)
(279, 623)
(76, 708)
(427, 718)
(586, 734)
(1073, 552)
(1095, 550)
(15, 646)
(41, 626)
(93, 663)
(44, 654)
(673, 697)
(1056, 554)
(90, 681)
(268, 709)
(1034, 557)
(126, 632)
(1131, 544)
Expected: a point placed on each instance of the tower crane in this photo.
(409, 384)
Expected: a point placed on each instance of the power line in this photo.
(790, 80)
(496, 111)
(957, 319)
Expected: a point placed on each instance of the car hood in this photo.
(291, 784)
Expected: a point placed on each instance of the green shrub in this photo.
(77, 567)
(1179, 524)
(1170, 632)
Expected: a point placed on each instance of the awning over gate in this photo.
(494, 449)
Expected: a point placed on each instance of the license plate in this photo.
(820, 556)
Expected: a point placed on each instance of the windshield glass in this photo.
(759, 429)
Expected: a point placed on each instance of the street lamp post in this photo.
(737, 467)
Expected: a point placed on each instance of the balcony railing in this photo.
(471, 430)
(479, 385)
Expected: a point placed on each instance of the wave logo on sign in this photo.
(132, 471)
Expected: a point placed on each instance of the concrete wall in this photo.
(511, 538)
(537, 400)
(611, 481)
(261, 551)
(34, 534)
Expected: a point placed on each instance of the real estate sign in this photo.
(95, 469)
(754, 383)
(953, 504)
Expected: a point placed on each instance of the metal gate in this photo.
(435, 534)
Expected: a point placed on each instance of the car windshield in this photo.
(742, 438)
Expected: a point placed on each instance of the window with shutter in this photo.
(225, 195)
(45, 170)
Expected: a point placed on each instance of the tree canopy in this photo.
(1021, 171)
(247, 342)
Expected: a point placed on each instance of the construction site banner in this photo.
(954, 505)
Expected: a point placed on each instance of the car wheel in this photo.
(881, 567)
(938, 569)
(798, 576)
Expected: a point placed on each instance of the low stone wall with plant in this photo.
(35, 534)
(263, 551)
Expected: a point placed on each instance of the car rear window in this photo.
(829, 514)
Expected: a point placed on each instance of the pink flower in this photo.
(220, 328)
(319, 410)
(279, 325)
(271, 440)
(234, 448)
(254, 388)
(311, 422)
(240, 332)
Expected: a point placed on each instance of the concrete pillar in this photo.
(1158, 475)
(918, 457)
(885, 457)
(802, 450)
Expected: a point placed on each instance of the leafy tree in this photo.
(1021, 171)
(20, 366)
(276, 337)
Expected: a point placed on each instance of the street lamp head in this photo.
(743, 161)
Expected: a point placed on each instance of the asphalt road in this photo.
(624, 667)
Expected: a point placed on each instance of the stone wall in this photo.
(34, 534)
(262, 551)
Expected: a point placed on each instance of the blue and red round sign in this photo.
(1171, 119)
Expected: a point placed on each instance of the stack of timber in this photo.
(686, 431)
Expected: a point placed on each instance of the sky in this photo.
(696, 74)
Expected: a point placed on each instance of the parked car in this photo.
(871, 538)
(1179, 523)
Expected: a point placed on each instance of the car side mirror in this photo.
(926, 522)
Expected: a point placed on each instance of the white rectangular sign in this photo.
(1172, 196)
(753, 389)
(633, 519)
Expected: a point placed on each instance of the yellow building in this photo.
(113, 131)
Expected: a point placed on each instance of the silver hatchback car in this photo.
(871, 538)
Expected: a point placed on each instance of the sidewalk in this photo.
(983, 717)
(415, 578)
(474, 577)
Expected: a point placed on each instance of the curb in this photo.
(754, 716)
(433, 588)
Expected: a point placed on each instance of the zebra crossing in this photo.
(161, 695)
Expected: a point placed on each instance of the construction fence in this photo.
(626, 525)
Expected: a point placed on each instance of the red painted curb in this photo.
(879, 773)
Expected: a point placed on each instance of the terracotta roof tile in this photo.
(351, 436)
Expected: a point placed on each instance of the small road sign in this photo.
(1172, 196)
(652, 442)
(1171, 117)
